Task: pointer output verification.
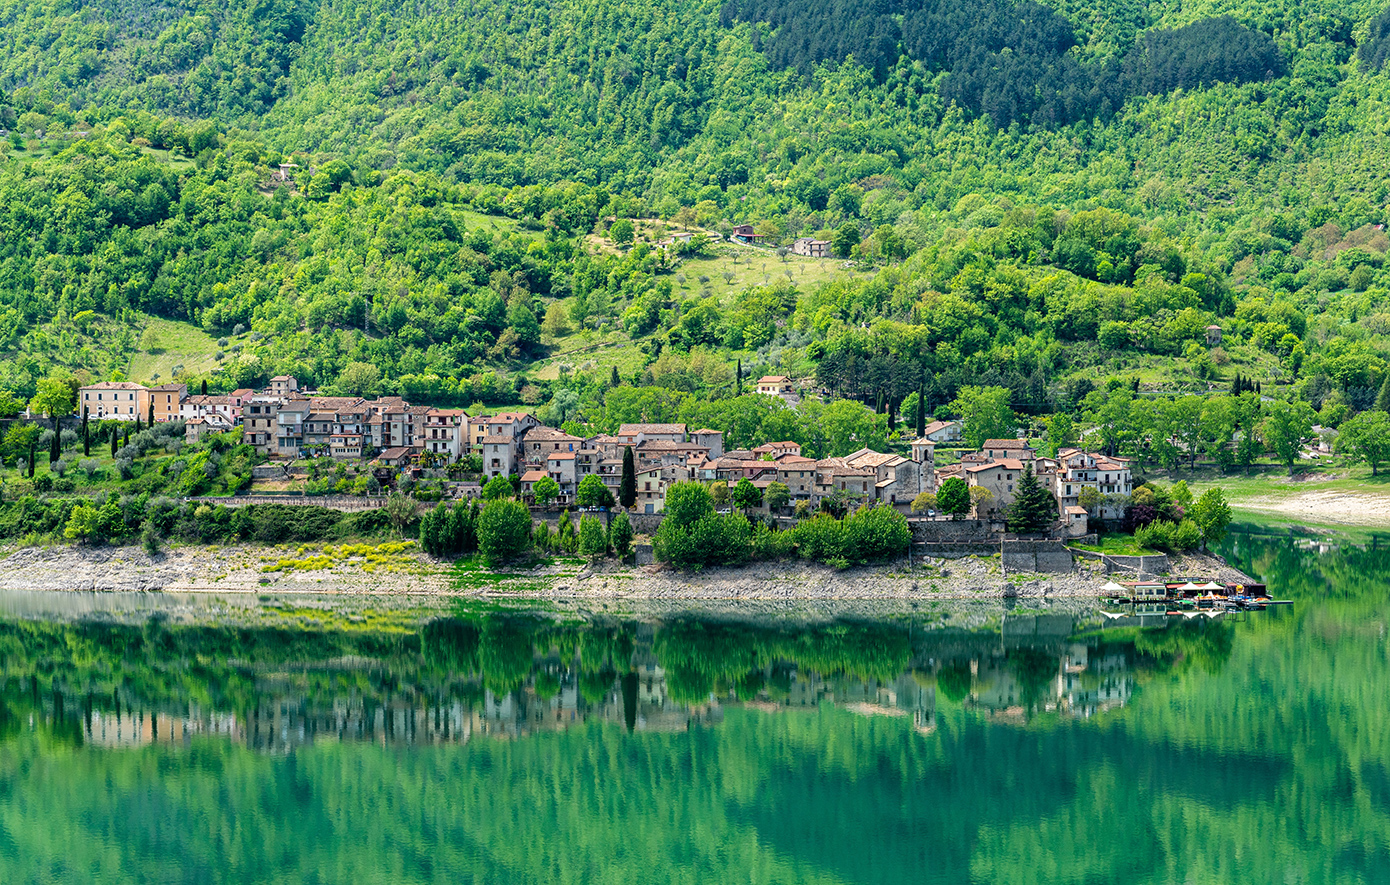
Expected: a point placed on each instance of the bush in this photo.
(593, 540)
(769, 544)
(497, 488)
(620, 535)
(504, 530)
(876, 533)
(820, 538)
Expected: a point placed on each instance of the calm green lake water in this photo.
(510, 749)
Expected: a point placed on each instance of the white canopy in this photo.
(1112, 587)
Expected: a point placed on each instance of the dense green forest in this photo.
(1034, 197)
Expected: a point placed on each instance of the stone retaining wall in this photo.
(346, 503)
(953, 531)
(954, 551)
(1036, 557)
(1136, 566)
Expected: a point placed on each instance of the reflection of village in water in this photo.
(1030, 665)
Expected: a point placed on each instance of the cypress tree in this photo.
(204, 388)
(152, 411)
(126, 436)
(613, 379)
(138, 426)
(1034, 509)
(738, 378)
(627, 487)
(113, 440)
(1383, 398)
(86, 435)
(33, 455)
(55, 449)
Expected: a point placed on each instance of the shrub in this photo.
(593, 540)
(821, 538)
(874, 533)
(504, 530)
(497, 488)
(620, 535)
(769, 544)
(1187, 535)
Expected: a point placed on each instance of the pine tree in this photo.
(627, 487)
(1034, 509)
(86, 435)
(1383, 398)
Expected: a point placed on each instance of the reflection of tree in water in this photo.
(953, 681)
(1199, 642)
(1034, 669)
(505, 653)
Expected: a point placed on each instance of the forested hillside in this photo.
(1034, 196)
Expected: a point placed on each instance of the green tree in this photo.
(924, 502)
(1212, 515)
(1383, 398)
(545, 490)
(845, 238)
(84, 524)
(627, 485)
(86, 435)
(400, 510)
(55, 398)
(593, 493)
(1284, 428)
(1033, 508)
(593, 540)
(777, 495)
(620, 535)
(497, 488)
(358, 379)
(621, 233)
(954, 497)
(745, 495)
(1366, 437)
(504, 530)
(1061, 433)
(986, 414)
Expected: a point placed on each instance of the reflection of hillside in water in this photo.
(112, 685)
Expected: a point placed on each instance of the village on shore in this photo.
(284, 423)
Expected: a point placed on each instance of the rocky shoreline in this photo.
(250, 569)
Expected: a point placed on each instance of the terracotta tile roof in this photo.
(114, 385)
(1006, 444)
(497, 439)
(632, 429)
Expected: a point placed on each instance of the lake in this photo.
(143, 741)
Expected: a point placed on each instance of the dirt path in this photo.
(1332, 508)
